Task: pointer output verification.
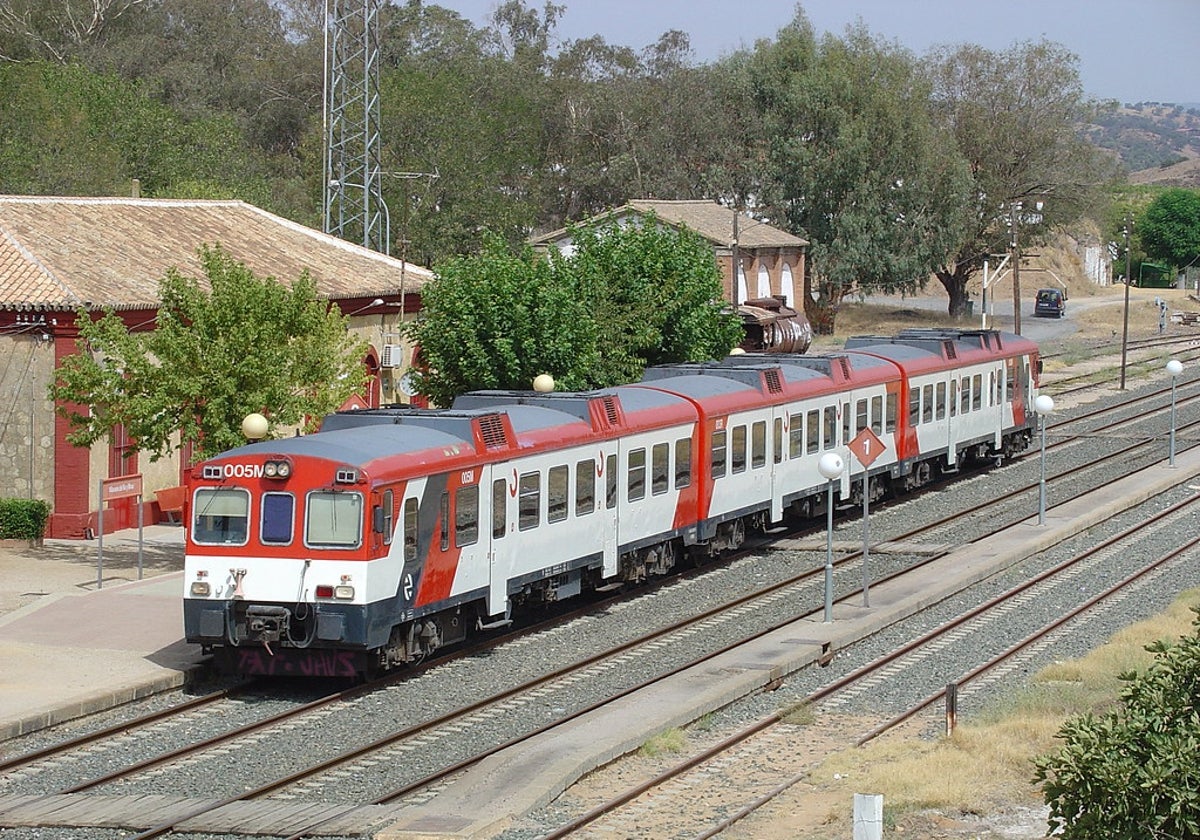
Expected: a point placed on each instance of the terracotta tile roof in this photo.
(708, 218)
(100, 252)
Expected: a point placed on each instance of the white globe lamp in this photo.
(254, 426)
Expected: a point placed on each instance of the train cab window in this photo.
(334, 519)
(610, 482)
(660, 468)
(389, 515)
(795, 435)
(812, 432)
(914, 406)
(977, 391)
(758, 444)
(683, 463)
(889, 420)
(585, 487)
(829, 430)
(777, 441)
(737, 447)
(558, 491)
(636, 486)
(221, 515)
(927, 404)
(499, 508)
(529, 500)
(941, 401)
(410, 530)
(466, 515)
(718, 454)
(278, 518)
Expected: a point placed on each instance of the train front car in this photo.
(290, 567)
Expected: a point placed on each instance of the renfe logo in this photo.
(240, 470)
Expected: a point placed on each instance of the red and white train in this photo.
(395, 531)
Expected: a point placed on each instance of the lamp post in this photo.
(1174, 367)
(1043, 405)
(830, 466)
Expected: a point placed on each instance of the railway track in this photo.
(338, 815)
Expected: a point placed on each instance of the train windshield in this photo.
(221, 515)
(334, 519)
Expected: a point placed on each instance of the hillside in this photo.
(1158, 142)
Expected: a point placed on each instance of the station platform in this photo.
(78, 648)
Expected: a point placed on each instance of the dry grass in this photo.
(987, 763)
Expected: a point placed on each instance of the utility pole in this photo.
(1013, 214)
(737, 262)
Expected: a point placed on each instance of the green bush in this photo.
(23, 519)
(1133, 773)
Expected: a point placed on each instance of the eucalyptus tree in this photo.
(1017, 119)
(855, 164)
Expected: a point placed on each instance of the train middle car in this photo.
(395, 531)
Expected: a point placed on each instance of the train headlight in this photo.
(200, 588)
(280, 468)
(344, 593)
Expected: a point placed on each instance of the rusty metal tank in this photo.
(774, 327)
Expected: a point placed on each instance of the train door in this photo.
(502, 489)
(778, 435)
(607, 507)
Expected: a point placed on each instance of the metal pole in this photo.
(1042, 487)
(866, 537)
(1125, 328)
(100, 540)
(1171, 460)
(829, 555)
(1016, 267)
(139, 507)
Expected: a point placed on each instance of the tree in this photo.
(855, 165)
(243, 345)
(1169, 229)
(1016, 117)
(1133, 773)
(626, 297)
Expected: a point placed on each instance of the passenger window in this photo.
(660, 468)
(953, 397)
(466, 515)
(610, 482)
(889, 424)
(877, 415)
(529, 500)
(444, 521)
(847, 428)
(977, 391)
(965, 394)
(941, 401)
(410, 530)
(813, 431)
(914, 406)
(758, 444)
(683, 463)
(927, 404)
(718, 454)
(829, 432)
(795, 435)
(585, 487)
(737, 455)
(557, 493)
(499, 508)
(777, 441)
(636, 487)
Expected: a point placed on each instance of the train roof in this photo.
(353, 445)
(931, 349)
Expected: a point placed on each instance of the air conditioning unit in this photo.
(392, 356)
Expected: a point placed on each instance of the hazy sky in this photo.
(1145, 50)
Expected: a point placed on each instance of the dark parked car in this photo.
(1051, 303)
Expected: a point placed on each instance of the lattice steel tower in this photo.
(353, 208)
